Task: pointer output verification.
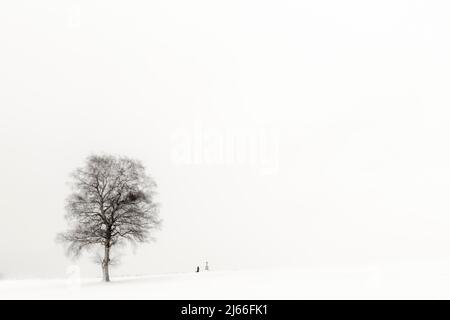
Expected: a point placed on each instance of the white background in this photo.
(358, 92)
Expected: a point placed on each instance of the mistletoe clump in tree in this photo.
(112, 203)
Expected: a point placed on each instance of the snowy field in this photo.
(336, 283)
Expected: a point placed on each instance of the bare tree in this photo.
(112, 203)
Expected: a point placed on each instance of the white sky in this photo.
(350, 97)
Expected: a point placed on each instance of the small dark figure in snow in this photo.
(198, 269)
(206, 266)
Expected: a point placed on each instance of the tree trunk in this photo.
(105, 264)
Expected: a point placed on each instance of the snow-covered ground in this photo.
(333, 283)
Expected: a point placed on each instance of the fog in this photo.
(280, 133)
